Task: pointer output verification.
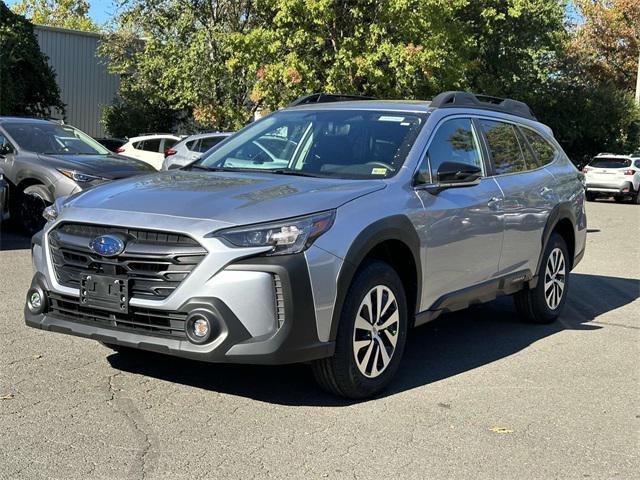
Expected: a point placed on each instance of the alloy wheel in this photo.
(554, 278)
(375, 333)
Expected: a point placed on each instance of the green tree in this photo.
(27, 83)
(73, 14)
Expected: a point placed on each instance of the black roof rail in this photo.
(326, 98)
(484, 102)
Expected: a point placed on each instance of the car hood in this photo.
(236, 198)
(106, 166)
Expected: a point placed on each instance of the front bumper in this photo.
(4, 199)
(290, 337)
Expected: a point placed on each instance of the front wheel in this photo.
(544, 303)
(33, 200)
(371, 335)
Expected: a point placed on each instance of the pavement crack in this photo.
(145, 455)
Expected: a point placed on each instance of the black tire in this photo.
(340, 374)
(532, 304)
(590, 196)
(636, 198)
(32, 202)
(618, 199)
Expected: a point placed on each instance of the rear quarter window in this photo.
(544, 152)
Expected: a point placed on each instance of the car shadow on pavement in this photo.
(450, 345)
(11, 238)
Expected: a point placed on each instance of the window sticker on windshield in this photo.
(387, 118)
(379, 171)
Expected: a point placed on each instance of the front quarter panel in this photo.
(359, 226)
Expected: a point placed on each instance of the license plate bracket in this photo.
(107, 293)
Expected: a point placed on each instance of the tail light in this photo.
(168, 153)
(630, 172)
(119, 150)
(586, 169)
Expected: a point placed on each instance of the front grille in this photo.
(139, 320)
(154, 262)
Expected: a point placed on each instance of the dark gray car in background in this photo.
(43, 160)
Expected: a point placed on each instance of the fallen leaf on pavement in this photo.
(8, 396)
(500, 430)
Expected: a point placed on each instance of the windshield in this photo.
(336, 143)
(53, 139)
(610, 162)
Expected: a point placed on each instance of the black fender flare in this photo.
(562, 211)
(396, 227)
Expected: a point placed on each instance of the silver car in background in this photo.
(191, 148)
(361, 220)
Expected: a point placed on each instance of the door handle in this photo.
(545, 191)
(494, 203)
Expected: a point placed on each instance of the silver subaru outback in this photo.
(368, 218)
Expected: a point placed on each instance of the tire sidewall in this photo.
(555, 241)
(370, 275)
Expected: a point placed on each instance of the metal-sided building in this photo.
(85, 85)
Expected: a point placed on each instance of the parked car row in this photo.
(321, 233)
(43, 160)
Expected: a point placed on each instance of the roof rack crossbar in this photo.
(322, 97)
(469, 100)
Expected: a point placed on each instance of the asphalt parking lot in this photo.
(479, 394)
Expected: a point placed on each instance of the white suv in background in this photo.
(149, 148)
(191, 148)
(616, 176)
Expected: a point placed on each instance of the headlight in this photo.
(80, 177)
(285, 237)
(50, 213)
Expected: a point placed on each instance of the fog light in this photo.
(200, 327)
(35, 301)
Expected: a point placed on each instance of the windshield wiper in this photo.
(290, 171)
(277, 171)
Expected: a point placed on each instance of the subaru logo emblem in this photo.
(107, 245)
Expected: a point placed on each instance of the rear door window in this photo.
(504, 147)
(151, 145)
(610, 162)
(544, 152)
(207, 143)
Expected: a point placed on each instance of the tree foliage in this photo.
(219, 62)
(608, 40)
(73, 14)
(27, 83)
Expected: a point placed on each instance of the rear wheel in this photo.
(31, 203)
(371, 335)
(544, 303)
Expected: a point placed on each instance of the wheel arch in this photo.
(563, 222)
(393, 240)
(34, 180)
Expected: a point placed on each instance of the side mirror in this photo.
(454, 174)
(6, 149)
